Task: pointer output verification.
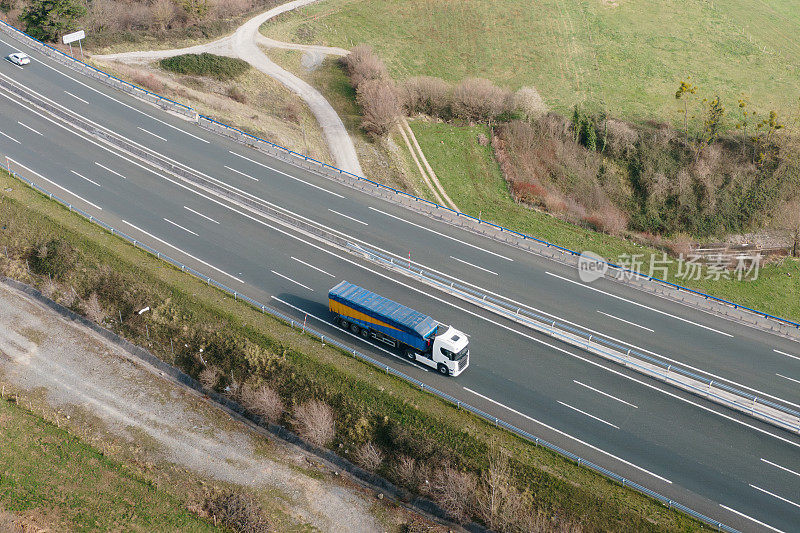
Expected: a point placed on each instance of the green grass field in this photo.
(64, 483)
(473, 180)
(627, 55)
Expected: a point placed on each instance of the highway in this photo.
(723, 464)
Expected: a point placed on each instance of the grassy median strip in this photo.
(82, 266)
(46, 472)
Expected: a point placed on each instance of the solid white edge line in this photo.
(110, 170)
(639, 304)
(349, 217)
(77, 97)
(474, 266)
(551, 428)
(151, 133)
(57, 185)
(790, 502)
(9, 137)
(33, 130)
(781, 467)
(312, 266)
(441, 234)
(182, 251)
(362, 339)
(287, 175)
(84, 177)
(752, 519)
(200, 214)
(293, 281)
(786, 354)
(587, 414)
(598, 391)
(240, 172)
(179, 226)
(626, 321)
(784, 377)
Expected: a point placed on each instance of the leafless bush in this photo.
(9, 523)
(209, 377)
(235, 93)
(222, 9)
(93, 309)
(479, 99)
(369, 457)
(608, 219)
(454, 491)
(240, 512)
(529, 103)
(406, 471)
(681, 244)
(148, 81)
(427, 95)
(67, 296)
(263, 401)
(620, 138)
(379, 106)
(163, 13)
(315, 422)
(49, 288)
(362, 65)
(500, 504)
(483, 140)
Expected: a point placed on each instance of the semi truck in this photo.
(421, 338)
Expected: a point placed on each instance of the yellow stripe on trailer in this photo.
(346, 311)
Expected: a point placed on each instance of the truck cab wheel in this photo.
(411, 355)
(443, 370)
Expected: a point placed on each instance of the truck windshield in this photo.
(461, 354)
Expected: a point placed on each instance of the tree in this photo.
(788, 218)
(46, 20)
(684, 91)
(712, 124)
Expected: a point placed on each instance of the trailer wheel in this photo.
(443, 370)
(411, 355)
(344, 323)
(354, 328)
(365, 333)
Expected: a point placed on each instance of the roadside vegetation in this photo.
(53, 481)
(475, 471)
(205, 64)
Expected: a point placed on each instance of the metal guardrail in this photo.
(720, 393)
(330, 171)
(671, 504)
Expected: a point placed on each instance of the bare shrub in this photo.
(315, 422)
(235, 93)
(499, 503)
(426, 95)
(223, 9)
(607, 219)
(379, 106)
(620, 138)
(681, 244)
(209, 377)
(406, 471)
(369, 457)
(67, 296)
(239, 512)
(529, 103)
(362, 65)
(147, 81)
(93, 309)
(454, 491)
(9, 523)
(264, 402)
(483, 140)
(49, 288)
(163, 13)
(479, 99)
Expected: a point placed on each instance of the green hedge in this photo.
(205, 64)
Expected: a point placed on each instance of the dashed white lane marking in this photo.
(285, 174)
(287, 278)
(441, 234)
(182, 251)
(752, 519)
(312, 266)
(77, 97)
(28, 127)
(110, 170)
(790, 379)
(551, 428)
(348, 217)
(57, 185)
(598, 391)
(676, 317)
(200, 214)
(179, 226)
(84, 177)
(240, 172)
(790, 502)
(474, 266)
(626, 321)
(781, 467)
(151, 133)
(786, 354)
(589, 415)
(9, 137)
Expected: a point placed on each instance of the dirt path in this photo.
(244, 45)
(93, 379)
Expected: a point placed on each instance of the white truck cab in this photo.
(449, 354)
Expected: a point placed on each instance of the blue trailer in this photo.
(422, 338)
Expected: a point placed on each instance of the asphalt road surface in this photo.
(723, 464)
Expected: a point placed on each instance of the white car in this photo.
(19, 58)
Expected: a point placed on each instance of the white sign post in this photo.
(71, 38)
